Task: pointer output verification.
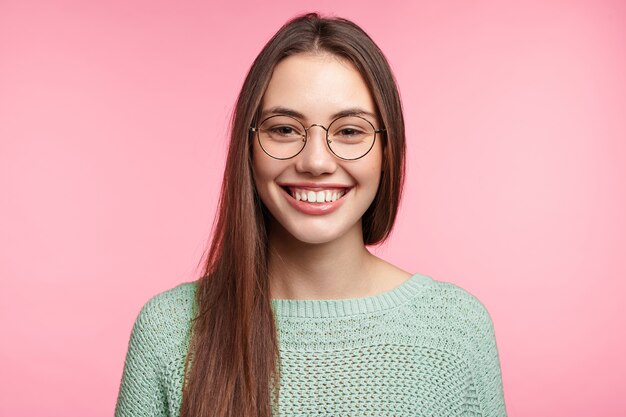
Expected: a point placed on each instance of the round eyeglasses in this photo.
(347, 137)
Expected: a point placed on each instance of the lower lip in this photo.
(314, 208)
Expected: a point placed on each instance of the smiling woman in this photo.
(317, 87)
(294, 316)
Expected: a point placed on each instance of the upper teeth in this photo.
(316, 196)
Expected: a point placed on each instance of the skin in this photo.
(321, 256)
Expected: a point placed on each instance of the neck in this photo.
(333, 270)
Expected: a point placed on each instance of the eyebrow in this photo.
(354, 111)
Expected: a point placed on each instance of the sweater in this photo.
(424, 348)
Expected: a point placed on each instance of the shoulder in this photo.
(453, 314)
(453, 301)
(165, 318)
(178, 300)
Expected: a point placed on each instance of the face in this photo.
(317, 88)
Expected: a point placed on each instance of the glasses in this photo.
(347, 137)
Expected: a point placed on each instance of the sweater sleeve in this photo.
(141, 392)
(486, 365)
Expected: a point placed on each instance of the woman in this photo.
(294, 316)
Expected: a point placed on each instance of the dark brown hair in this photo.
(232, 369)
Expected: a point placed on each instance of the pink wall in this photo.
(112, 125)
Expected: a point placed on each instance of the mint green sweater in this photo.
(425, 348)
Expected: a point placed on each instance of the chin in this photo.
(313, 234)
(315, 238)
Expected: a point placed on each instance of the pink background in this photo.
(112, 124)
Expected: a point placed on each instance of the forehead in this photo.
(317, 85)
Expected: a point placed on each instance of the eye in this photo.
(284, 130)
(349, 131)
(282, 127)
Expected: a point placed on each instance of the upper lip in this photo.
(314, 186)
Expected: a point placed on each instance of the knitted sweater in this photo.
(424, 348)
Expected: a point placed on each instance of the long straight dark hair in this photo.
(232, 369)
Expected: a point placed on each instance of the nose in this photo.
(316, 158)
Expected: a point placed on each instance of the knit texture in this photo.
(424, 348)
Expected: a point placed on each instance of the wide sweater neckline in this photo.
(351, 306)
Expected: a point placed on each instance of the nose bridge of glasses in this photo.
(307, 129)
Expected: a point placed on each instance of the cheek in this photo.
(261, 168)
(375, 169)
(265, 172)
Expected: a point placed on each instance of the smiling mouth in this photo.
(315, 196)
